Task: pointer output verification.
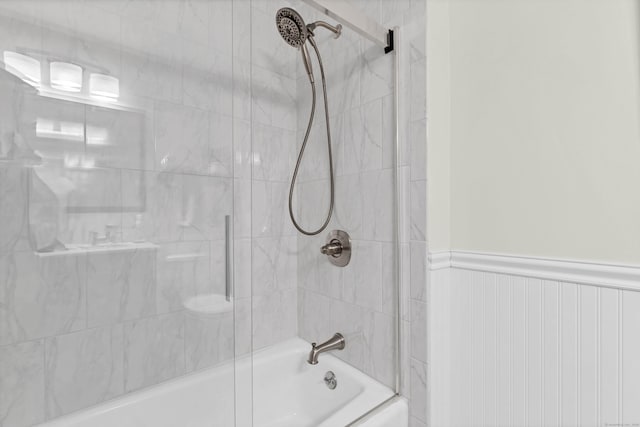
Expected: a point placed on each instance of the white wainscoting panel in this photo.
(519, 348)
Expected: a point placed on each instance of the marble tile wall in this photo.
(83, 326)
(274, 255)
(355, 300)
(359, 300)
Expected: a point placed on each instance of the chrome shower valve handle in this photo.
(332, 248)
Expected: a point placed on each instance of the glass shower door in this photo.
(117, 210)
(299, 297)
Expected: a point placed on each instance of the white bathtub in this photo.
(287, 392)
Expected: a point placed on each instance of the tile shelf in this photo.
(76, 249)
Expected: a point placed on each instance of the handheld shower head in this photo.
(291, 27)
(294, 31)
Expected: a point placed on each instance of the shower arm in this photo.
(337, 30)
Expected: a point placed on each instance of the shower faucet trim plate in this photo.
(337, 248)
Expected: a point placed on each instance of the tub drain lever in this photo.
(330, 380)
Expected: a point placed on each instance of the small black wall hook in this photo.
(390, 46)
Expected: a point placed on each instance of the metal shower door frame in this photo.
(399, 224)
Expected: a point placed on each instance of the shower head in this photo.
(293, 30)
(291, 27)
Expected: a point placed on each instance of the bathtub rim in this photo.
(376, 410)
(265, 354)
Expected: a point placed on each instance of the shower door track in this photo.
(371, 411)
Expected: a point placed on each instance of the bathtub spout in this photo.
(336, 342)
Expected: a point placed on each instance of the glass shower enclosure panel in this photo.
(117, 208)
(298, 296)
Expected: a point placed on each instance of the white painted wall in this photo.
(545, 139)
(439, 126)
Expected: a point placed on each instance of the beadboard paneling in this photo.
(532, 351)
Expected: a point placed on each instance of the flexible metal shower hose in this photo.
(304, 144)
